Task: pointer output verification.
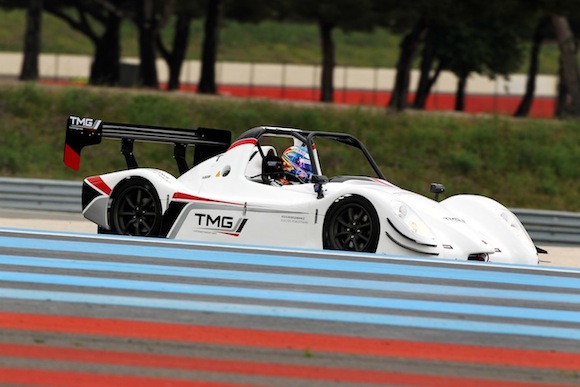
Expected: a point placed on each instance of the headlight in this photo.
(420, 232)
(514, 224)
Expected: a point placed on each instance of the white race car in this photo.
(270, 187)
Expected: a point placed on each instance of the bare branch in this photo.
(77, 25)
(119, 12)
(168, 11)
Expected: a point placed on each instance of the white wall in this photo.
(58, 66)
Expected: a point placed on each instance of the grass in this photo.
(267, 42)
(522, 163)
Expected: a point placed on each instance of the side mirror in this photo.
(436, 189)
(319, 181)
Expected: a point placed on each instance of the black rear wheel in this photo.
(136, 209)
(352, 224)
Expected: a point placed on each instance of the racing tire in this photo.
(351, 224)
(135, 209)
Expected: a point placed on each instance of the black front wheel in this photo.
(136, 209)
(352, 224)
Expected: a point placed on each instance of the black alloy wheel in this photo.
(136, 209)
(352, 224)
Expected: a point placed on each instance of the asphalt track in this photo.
(83, 309)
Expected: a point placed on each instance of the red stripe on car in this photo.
(184, 196)
(244, 141)
(99, 184)
(381, 181)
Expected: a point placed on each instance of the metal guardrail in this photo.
(545, 227)
(553, 227)
(40, 194)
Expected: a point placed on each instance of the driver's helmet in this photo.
(297, 163)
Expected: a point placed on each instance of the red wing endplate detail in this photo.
(80, 132)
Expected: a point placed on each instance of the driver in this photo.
(297, 167)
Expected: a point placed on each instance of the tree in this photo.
(347, 15)
(32, 41)
(251, 11)
(150, 16)
(328, 61)
(540, 33)
(32, 35)
(462, 37)
(186, 11)
(569, 65)
(482, 48)
(207, 83)
(407, 50)
(105, 68)
(88, 17)
(409, 20)
(427, 75)
(471, 37)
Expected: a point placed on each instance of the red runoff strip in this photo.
(50, 378)
(266, 339)
(292, 340)
(72, 378)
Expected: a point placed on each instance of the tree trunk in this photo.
(460, 93)
(207, 84)
(426, 79)
(526, 103)
(105, 69)
(561, 95)
(408, 48)
(147, 25)
(570, 74)
(177, 55)
(32, 41)
(328, 62)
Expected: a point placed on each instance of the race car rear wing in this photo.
(85, 131)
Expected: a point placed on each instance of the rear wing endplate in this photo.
(85, 131)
